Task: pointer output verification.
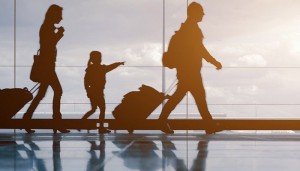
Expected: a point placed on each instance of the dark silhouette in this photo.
(13, 100)
(57, 166)
(39, 163)
(199, 162)
(141, 155)
(37, 68)
(187, 51)
(10, 156)
(169, 157)
(49, 37)
(94, 83)
(139, 105)
(96, 163)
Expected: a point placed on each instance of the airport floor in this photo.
(146, 151)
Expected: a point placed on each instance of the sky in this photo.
(257, 41)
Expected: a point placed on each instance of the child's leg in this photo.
(102, 111)
(102, 130)
(94, 107)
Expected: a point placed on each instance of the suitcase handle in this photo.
(171, 87)
(34, 88)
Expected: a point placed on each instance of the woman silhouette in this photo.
(49, 37)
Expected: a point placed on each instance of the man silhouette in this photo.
(190, 51)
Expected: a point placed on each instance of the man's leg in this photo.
(170, 106)
(198, 92)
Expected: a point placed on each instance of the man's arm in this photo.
(206, 55)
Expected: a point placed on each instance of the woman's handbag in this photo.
(36, 72)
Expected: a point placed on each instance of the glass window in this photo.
(257, 45)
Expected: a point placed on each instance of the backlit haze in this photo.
(257, 41)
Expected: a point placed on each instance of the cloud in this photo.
(253, 60)
(149, 54)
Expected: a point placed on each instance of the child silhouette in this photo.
(94, 83)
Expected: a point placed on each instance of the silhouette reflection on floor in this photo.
(80, 151)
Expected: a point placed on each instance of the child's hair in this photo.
(94, 56)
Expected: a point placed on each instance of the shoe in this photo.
(29, 131)
(28, 118)
(103, 130)
(61, 130)
(166, 129)
(210, 131)
(64, 130)
(214, 129)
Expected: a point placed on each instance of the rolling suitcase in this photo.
(14, 99)
(138, 105)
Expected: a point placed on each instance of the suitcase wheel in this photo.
(130, 131)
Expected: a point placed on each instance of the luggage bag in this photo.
(138, 105)
(14, 99)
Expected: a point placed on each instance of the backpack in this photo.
(172, 57)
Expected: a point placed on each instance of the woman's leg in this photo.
(57, 89)
(55, 84)
(36, 101)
